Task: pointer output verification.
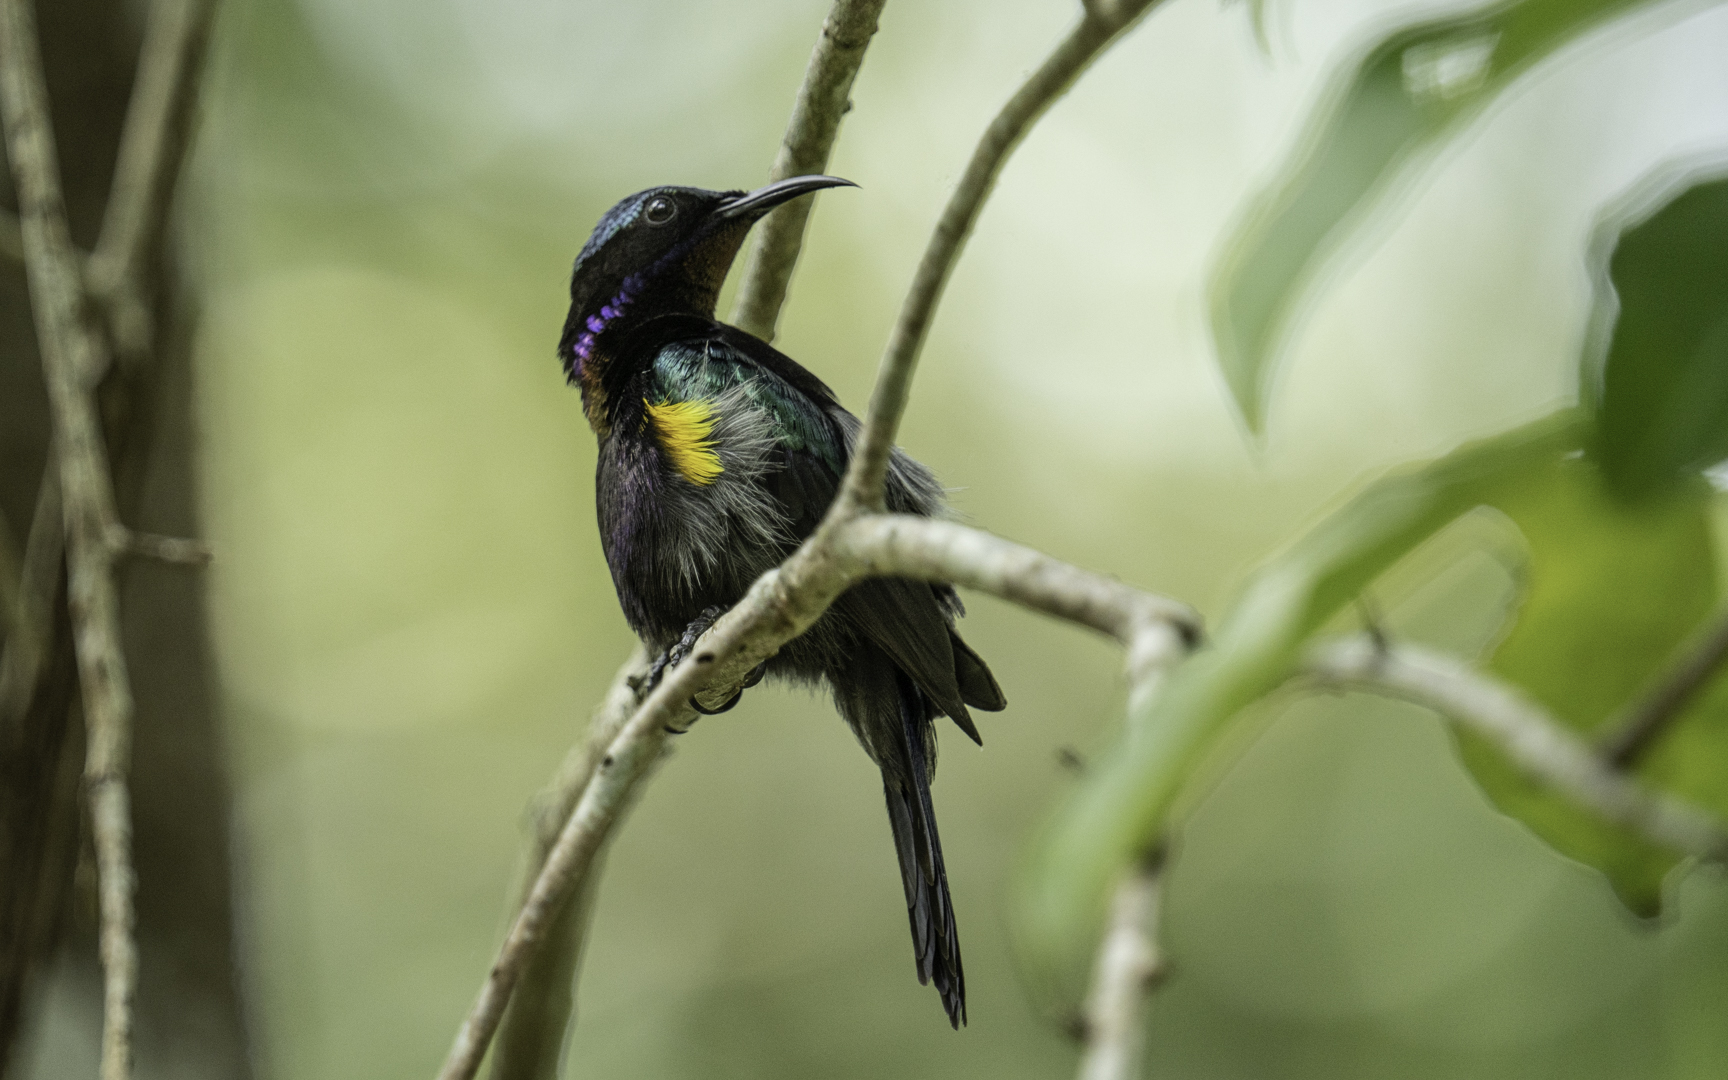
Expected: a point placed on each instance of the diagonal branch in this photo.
(898, 545)
(71, 354)
(1639, 730)
(782, 604)
(159, 123)
(1534, 741)
(822, 101)
(1100, 25)
(542, 1007)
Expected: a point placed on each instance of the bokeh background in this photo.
(413, 616)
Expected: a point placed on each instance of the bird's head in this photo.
(661, 251)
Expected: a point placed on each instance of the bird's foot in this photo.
(681, 650)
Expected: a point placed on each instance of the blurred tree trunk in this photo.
(191, 1022)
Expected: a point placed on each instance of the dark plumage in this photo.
(718, 454)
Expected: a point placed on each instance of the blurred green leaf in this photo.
(1662, 410)
(1612, 592)
(1124, 805)
(1409, 91)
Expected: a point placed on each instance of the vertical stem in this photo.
(152, 148)
(1128, 965)
(822, 101)
(71, 352)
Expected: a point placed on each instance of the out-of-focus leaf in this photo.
(1612, 591)
(1662, 408)
(1408, 92)
(1124, 804)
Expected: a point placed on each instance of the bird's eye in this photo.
(660, 210)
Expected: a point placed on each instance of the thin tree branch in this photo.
(822, 100)
(542, 1008)
(168, 549)
(863, 486)
(1129, 966)
(71, 352)
(152, 149)
(901, 545)
(1535, 742)
(1628, 739)
(782, 604)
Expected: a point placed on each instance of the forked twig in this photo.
(159, 122)
(71, 351)
(74, 357)
(781, 605)
(848, 546)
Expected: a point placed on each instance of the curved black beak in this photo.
(753, 204)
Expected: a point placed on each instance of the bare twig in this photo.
(1097, 29)
(1629, 738)
(782, 604)
(152, 148)
(541, 1009)
(71, 352)
(822, 101)
(1526, 734)
(1128, 967)
(900, 545)
(168, 549)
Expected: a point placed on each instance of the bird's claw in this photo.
(680, 650)
(731, 701)
(750, 680)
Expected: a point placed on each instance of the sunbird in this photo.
(718, 455)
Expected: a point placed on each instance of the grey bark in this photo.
(190, 1015)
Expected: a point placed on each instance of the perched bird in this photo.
(718, 455)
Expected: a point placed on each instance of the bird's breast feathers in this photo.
(684, 431)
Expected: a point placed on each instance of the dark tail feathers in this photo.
(935, 940)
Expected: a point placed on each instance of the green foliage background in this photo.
(414, 615)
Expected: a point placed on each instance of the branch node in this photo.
(168, 549)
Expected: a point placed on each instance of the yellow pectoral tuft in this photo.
(683, 429)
